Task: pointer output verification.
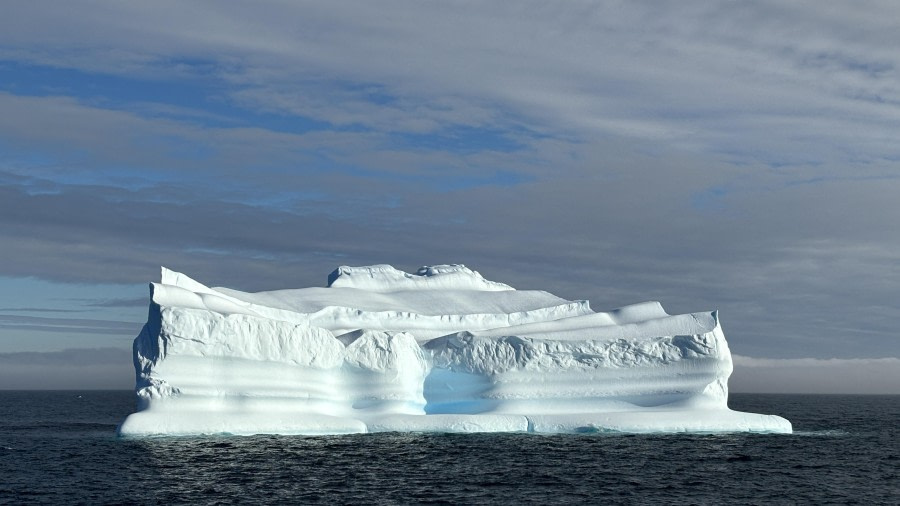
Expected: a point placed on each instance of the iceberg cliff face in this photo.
(440, 350)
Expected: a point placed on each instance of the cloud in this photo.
(762, 81)
(793, 269)
(742, 158)
(124, 148)
(130, 302)
(97, 368)
(66, 325)
(816, 376)
(38, 310)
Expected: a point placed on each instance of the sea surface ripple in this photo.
(61, 448)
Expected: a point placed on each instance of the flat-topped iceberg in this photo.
(440, 350)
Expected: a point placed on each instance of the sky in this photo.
(739, 156)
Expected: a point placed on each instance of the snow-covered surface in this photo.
(440, 350)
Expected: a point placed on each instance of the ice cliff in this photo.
(440, 350)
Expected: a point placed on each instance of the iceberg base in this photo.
(644, 421)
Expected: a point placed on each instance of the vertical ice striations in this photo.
(440, 350)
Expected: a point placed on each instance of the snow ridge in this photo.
(434, 277)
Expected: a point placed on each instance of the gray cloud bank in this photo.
(65, 325)
(739, 156)
(816, 376)
(788, 282)
(72, 369)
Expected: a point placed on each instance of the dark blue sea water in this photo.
(60, 448)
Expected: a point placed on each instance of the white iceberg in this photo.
(440, 350)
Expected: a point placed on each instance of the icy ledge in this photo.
(440, 350)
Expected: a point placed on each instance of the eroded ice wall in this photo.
(440, 350)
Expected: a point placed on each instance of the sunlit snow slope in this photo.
(440, 350)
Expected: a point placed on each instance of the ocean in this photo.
(60, 448)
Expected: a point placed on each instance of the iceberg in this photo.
(443, 349)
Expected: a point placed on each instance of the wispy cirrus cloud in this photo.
(121, 302)
(67, 325)
(765, 81)
(38, 310)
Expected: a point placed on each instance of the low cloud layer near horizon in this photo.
(710, 155)
(110, 368)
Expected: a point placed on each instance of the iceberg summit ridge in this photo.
(443, 349)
